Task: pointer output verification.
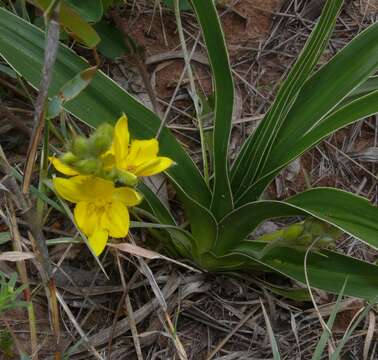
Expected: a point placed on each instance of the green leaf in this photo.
(340, 93)
(348, 212)
(70, 90)
(181, 239)
(350, 68)
(351, 329)
(159, 210)
(351, 213)
(112, 44)
(272, 339)
(203, 224)
(22, 46)
(356, 108)
(5, 237)
(89, 10)
(8, 71)
(74, 23)
(256, 150)
(183, 4)
(296, 294)
(107, 3)
(208, 19)
(326, 271)
(365, 88)
(326, 334)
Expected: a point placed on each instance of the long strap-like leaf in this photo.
(207, 16)
(22, 46)
(348, 69)
(256, 150)
(350, 112)
(336, 90)
(326, 271)
(352, 214)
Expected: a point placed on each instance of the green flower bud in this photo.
(81, 147)
(101, 139)
(69, 158)
(292, 232)
(127, 178)
(88, 166)
(110, 174)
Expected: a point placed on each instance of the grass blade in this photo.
(273, 342)
(325, 335)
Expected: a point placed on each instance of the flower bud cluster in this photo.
(86, 154)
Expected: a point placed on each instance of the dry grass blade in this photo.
(273, 343)
(176, 340)
(148, 254)
(323, 323)
(145, 269)
(130, 312)
(229, 336)
(134, 331)
(179, 54)
(367, 155)
(369, 335)
(15, 256)
(123, 325)
(77, 327)
(21, 268)
(51, 50)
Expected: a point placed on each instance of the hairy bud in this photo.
(69, 158)
(88, 166)
(80, 147)
(101, 139)
(127, 178)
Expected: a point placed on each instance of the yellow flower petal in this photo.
(97, 241)
(142, 151)
(83, 188)
(121, 141)
(86, 217)
(70, 189)
(108, 160)
(153, 167)
(128, 196)
(62, 167)
(116, 219)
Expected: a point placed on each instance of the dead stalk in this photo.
(21, 268)
(30, 210)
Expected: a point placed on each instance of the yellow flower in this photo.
(140, 157)
(101, 208)
(62, 167)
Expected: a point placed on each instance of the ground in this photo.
(212, 316)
